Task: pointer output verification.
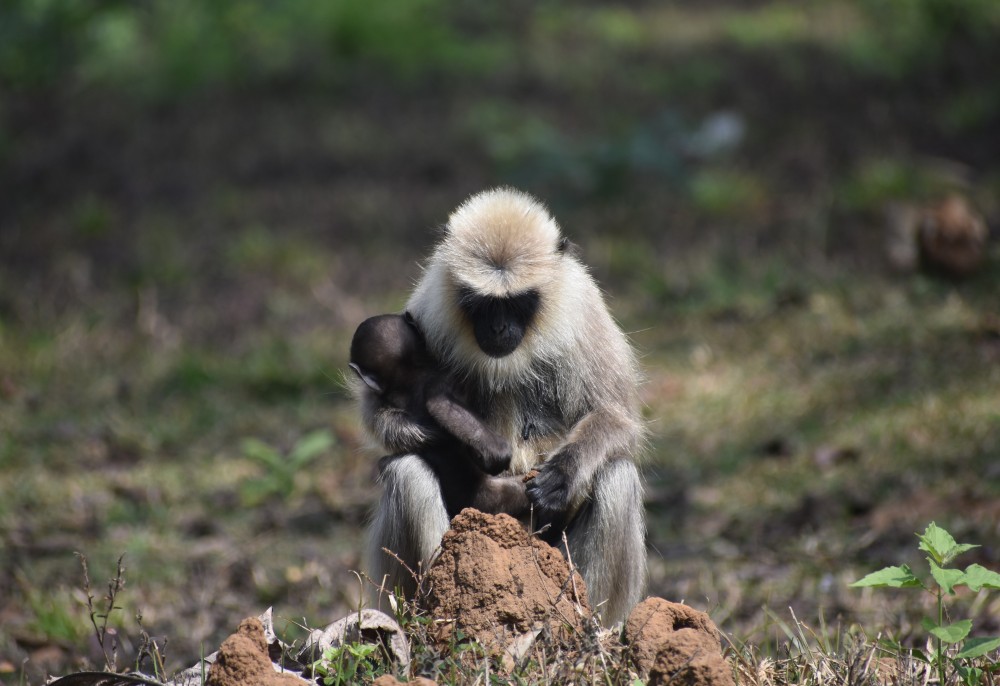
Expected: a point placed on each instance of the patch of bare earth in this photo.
(390, 680)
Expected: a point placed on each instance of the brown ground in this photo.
(390, 680)
(495, 582)
(243, 660)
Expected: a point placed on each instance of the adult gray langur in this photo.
(510, 312)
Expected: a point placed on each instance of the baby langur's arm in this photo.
(493, 451)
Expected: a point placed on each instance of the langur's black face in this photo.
(499, 323)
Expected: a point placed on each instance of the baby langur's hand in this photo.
(495, 455)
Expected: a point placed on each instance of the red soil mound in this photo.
(496, 582)
(243, 660)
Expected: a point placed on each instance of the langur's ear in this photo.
(369, 379)
(412, 322)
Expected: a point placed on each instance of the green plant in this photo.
(54, 615)
(942, 551)
(280, 470)
(351, 663)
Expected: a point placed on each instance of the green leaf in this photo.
(891, 577)
(977, 647)
(953, 633)
(941, 545)
(936, 541)
(977, 577)
(947, 579)
(890, 645)
(971, 676)
(361, 650)
(310, 446)
(262, 452)
(256, 491)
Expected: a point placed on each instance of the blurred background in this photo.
(788, 204)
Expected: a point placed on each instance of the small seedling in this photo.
(279, 477)
(942, 551)
(351, 663)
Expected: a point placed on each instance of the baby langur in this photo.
(389, 355)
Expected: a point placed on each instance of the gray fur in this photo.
(607, 537)
(410, 521)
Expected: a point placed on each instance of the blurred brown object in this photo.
(946, 237)
(952, 237)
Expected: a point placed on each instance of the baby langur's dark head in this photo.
(387, 351)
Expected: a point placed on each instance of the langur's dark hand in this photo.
(550, 493)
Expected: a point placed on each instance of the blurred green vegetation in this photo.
(919, 62)
(162, 49)
(200, 201)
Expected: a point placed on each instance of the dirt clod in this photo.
(953, 237)
(673, 643)
(243, 660)
(495, 582)
(688, 657)
(390, 680)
